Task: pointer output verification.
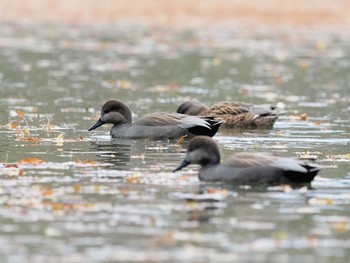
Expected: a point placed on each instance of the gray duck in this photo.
(161, 125)
(246, 168)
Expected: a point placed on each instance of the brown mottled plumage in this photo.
(235, 114)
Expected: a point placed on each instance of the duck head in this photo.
(113, 112)
(201, 150)
(191, 107)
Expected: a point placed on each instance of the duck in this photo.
(160, 125)
(246, 168)
(235, 114)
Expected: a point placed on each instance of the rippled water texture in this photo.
(67, 195)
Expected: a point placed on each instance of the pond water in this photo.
(67, 195)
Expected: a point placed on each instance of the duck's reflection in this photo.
(212, 199)
(115, 152)
(127, 154)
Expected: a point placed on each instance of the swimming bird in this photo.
(235, 114)
(244, 167)
(161, 125)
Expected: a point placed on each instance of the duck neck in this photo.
(126, 113)
(207, 172)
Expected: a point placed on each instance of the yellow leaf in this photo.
(133, 178)
(347, 156)
(279, 235)
(321, 46)
(76, 188)
(60, 137)
(217, 61)
(20, 113)
(12, 125)
(26, 131)
(339, 226)
(303, 116)
(123, 84)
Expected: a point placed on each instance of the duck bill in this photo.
(182, 165)
(96, 125)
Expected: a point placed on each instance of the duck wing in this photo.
(235, 108)
(267, 159)
(197, 125)
(171, 119)
(240, 114)
(244, 159)
(227, 108)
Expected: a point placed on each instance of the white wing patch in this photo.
(192, 121)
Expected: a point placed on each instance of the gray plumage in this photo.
(246, 168)
(161, 125)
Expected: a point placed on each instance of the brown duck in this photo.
(235, 114)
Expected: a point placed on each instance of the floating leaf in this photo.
(26, 131)
(133, 178)
(279, 235)
(167, 239)
(85, 162)
(12, 125)
(11, 165)
(321, 46)
(223, 192)
(141, 157)
(180, 140)
(216, 61)
(30, 160)
(303, 63)
(12, 170)
(19, 113)
(347, 156)
(46, 191)
(58, 206)
(164, 88)
(320, 201)
(184, 177)
(123, 84)
(30, 139)
(76, 188)
(339, 226)
(59, 139)
(317, 123)
(303, 117)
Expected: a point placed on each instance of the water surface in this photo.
(85, 197)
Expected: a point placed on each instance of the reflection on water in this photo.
(69, 195)
(117, 154)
